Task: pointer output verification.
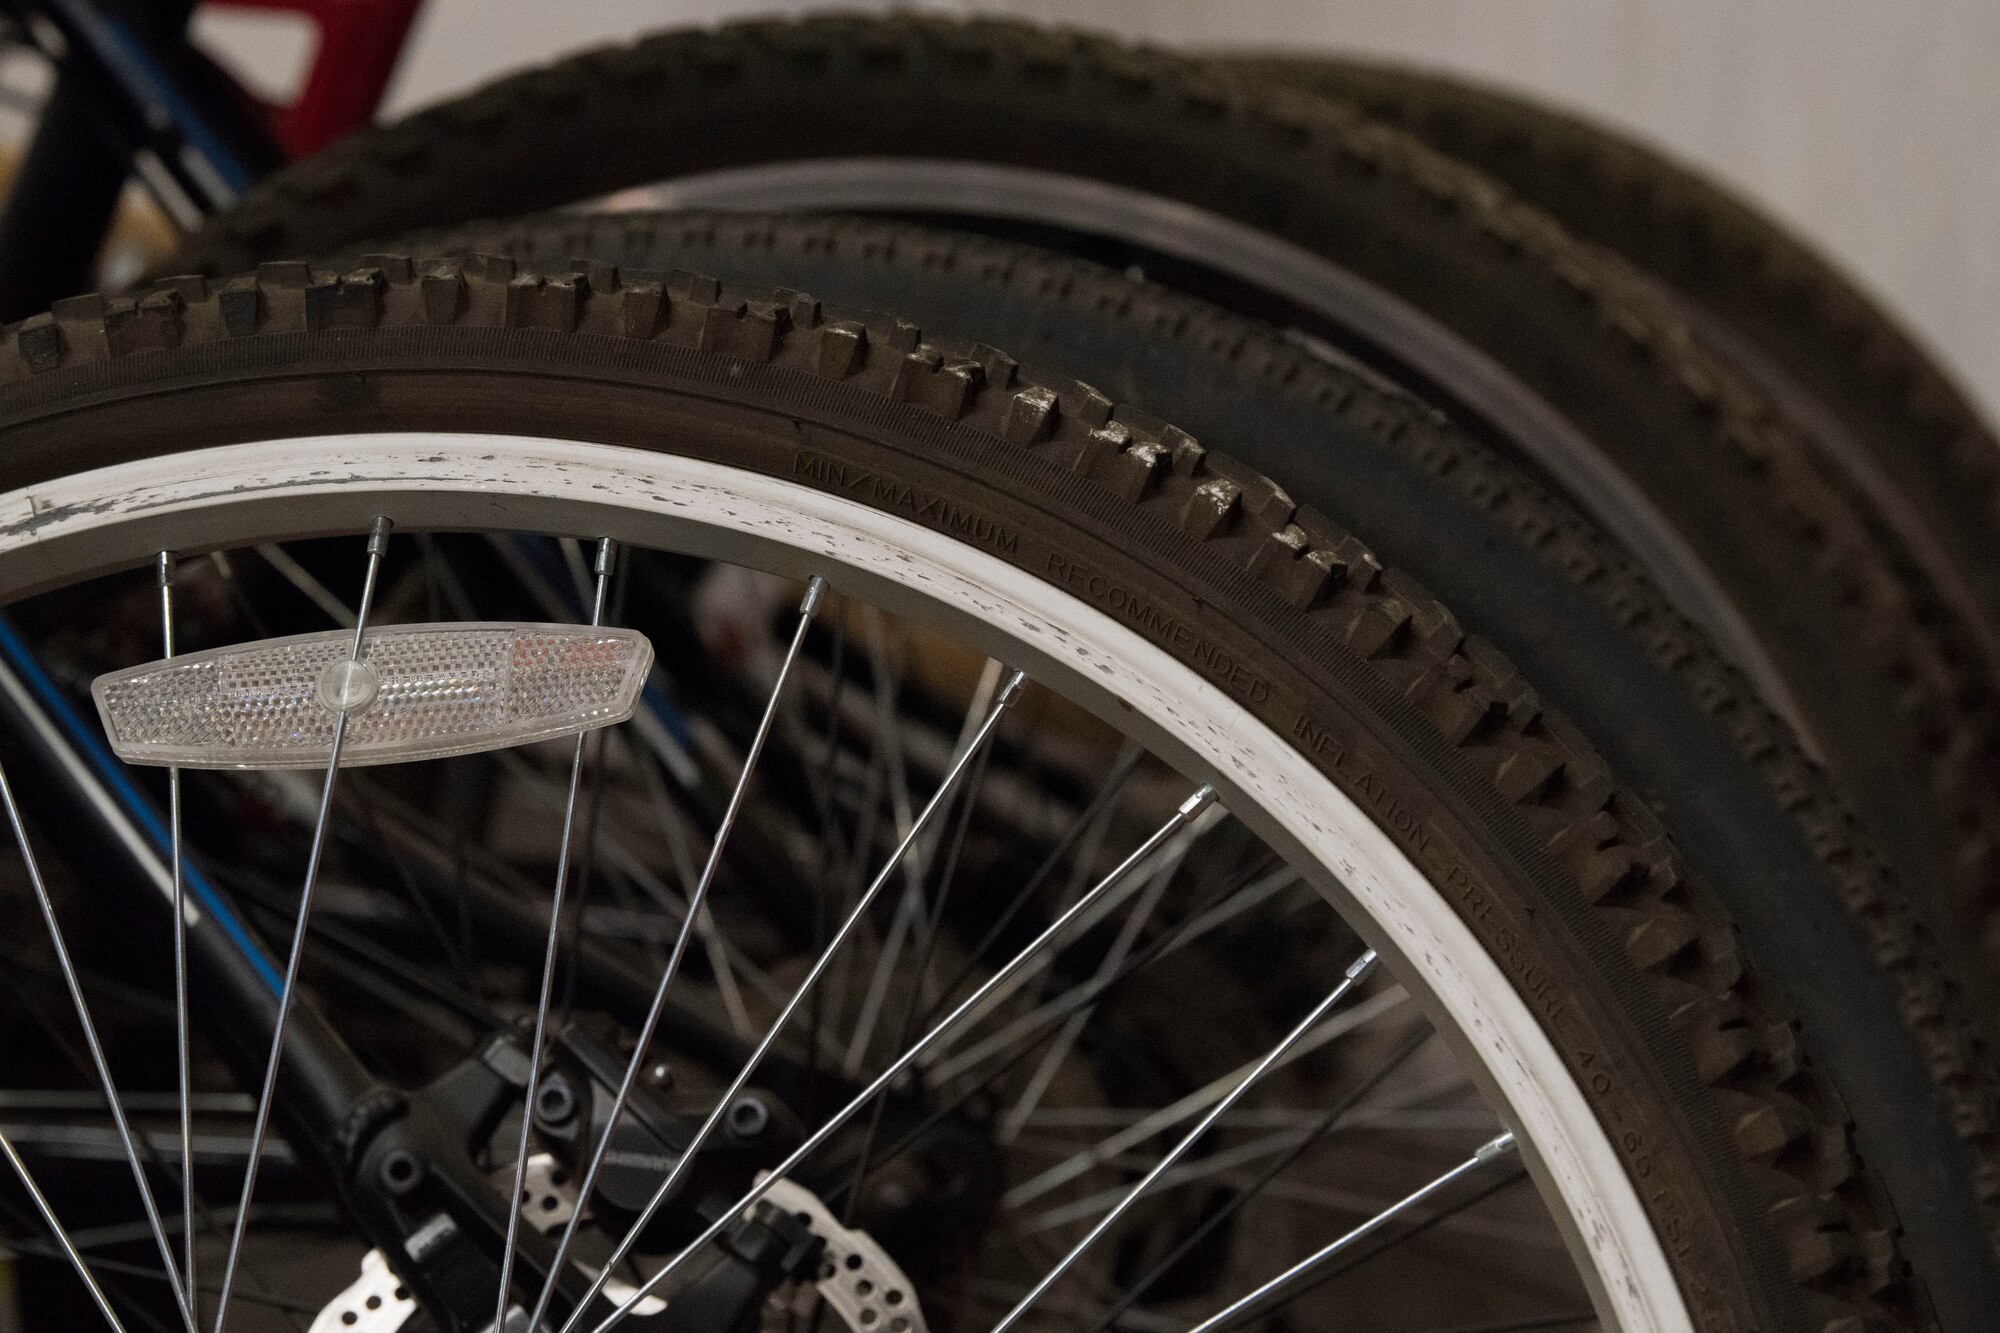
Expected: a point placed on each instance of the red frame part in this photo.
(359, 42)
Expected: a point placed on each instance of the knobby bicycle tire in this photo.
(1886, 680)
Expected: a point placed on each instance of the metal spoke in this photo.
(624, 861)
(579, 572)
(293, 1310)
(1216, 1165)
(885, 758)
(1356, 972)
(420, 903)
(1082, 827)
(1015, 684)
(910, 914)
(1032, 1025)
(62, 1236)
(97, 1058)
(697, 903)
(1351, 1203)
(884, 907)
(454, 1013)
(1109, 966)
(296, 574)
(1138, 876)
(1330, 1119)
(1221, 1089)
(645, 723)
(1303, 1270)
(491, 888)
(1224, 1168)
(176, 853)
(378, 543)
(1094, 833)
(712, 945)
(837, 852)
(1188, 810)
(226, 571)
(968, 1089)
(888, 679)
(1284, 1124)
(1451, 1216)
(1080, 1118)
(1253, 895)
(148, 1143)
(967, 809)
(549, 952)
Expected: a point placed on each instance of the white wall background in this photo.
(1872, 127)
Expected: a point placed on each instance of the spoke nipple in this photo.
(378, 535)
(166, 566)
(1193, 804)
(605, 548)
(1012, 691)
(1497, 1148)
(815, 589)
(1362, 966)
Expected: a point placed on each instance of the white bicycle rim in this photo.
(95, 521)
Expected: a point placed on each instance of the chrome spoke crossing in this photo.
(696, 914)
(943, 1068)
(1032, 1011)
(378, 543)
(1108, 967)
(1295, 1278)
(1015, 684)
(1329, 1120)
(1188, 810)
(61, 1235)
(1356, 972)
(549, 952)
(1117, 1144)
(910, 913)
(183, 1064)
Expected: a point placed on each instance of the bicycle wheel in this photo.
(1423, 809)
(1284, 204)
(1879, 410)
(1748, 812)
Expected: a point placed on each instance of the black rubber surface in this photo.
(1632, 967)
(1751, 816)
(1886, 677)
(1879, 407)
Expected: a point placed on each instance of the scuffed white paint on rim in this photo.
(1421, 927)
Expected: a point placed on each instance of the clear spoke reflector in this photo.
(418, 692)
